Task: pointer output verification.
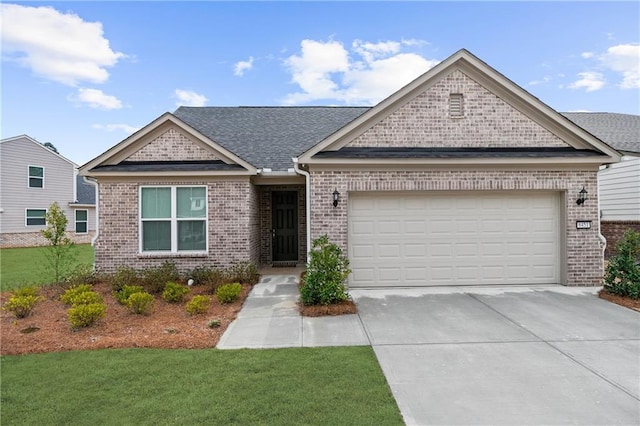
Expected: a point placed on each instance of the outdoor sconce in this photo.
(582, 196)
(336, 198)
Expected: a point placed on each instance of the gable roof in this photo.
(621, 131)
(85, 192)
(490, 79)
(268, 137)
(33, 141)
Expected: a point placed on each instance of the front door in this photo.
(284, 205)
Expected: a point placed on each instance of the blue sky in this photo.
(85, 75)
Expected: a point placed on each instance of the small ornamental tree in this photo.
(622, 276)
(326, 277)
(60, 253)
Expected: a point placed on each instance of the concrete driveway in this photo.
(512, 356)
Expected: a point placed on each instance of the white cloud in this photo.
(95, 98)
(589, 80)
(364, 75)
(544, 80)
(241, 66)
(189, 98)
(587, 55)
(116, 127)
(624, 59)
(57, 46)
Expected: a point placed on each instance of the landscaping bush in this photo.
(622, 276)
(200, 275)
(327, 272)
(228, 293)
(125, 275)
(82, 274)
(154, 279)
(126, 291)
(140, 303)
(244, 272)
(174, 292)
(86, 315)
(22, 301)
(198, 305)
(86, 298)
(74, 292)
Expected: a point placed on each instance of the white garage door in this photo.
(464, 238)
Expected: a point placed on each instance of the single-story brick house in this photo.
(460, 177)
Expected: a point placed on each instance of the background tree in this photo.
(51, 147)
(60, 253)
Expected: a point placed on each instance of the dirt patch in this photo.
(627, 302)
(346, 307)
(48, 329)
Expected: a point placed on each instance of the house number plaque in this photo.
(583, 224)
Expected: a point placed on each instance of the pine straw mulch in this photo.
(627, 302)
(168, 326)
(344, 308)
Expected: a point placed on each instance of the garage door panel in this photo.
(453, 239)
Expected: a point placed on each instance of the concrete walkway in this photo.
(270, 319)
(472, 355)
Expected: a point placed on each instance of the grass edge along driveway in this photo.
(338, 385)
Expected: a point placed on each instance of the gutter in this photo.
(307, 197)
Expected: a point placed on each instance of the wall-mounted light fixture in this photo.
(582, 196)
(336, 198)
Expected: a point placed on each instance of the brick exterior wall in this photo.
(172, 146)
(266, 219)
(231, 236)
(613, 231)
(487, 121)
(35, 239)
(583, 248)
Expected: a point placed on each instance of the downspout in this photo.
(94, 182)
(600, 236)
(307, 201)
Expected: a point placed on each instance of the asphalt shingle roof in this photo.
(620, 131)
(85, 192)
(268, 136)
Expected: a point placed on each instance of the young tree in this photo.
(60, 253)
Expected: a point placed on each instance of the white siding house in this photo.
(32, 177)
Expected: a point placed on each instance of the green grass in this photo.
(20, 267)
(311, 386)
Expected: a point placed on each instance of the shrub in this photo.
(198, 305)
(86, 315)
(86, 298)
(22, 301)
(154, 279)
(200, 275)
(81, 274)
(174, 292)
(72, 293)
(126, 291)
(228, 293)
(327, 272)
(140, 303)
(214, 323)
(622, 276)
(244, 272)
(125, 275)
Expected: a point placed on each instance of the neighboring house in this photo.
(460, 177)
(32, 177)
(619, 183)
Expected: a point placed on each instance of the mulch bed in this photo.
(627, 302)
(346, 307)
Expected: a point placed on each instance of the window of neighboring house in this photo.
(36, 177)
(81, 221)
(36, 217)
(173, 218)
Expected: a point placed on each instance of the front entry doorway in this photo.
(284, 205)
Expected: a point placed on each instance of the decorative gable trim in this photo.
(138, 143)
(489, 78)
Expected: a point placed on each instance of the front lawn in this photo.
(327, 386)
(20, 267)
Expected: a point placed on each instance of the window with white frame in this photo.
(81, 221)
(35, 217)
(36, 177)
(173, 219)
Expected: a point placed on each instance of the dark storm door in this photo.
(284, 205)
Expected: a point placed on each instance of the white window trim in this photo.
(38, 177)
(75, 217)
(35, 208)
(174, 222)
